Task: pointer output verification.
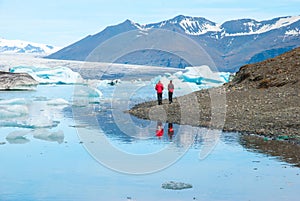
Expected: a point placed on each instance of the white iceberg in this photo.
(15, 101)
(13, 111)
(26, 113)
(85, 95)
(192, 79)
(203, 74)
(58, 102)
(46, 75)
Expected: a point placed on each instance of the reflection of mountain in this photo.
(285, 151)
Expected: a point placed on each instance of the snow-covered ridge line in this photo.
(19, 46)
(281, 22)
(199, 26)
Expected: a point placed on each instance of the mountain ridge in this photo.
(20, 46)
(230, 44)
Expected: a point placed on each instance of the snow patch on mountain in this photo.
(263, 27)
(197, 26)
(19, 46)
(193, 27)
(294, 32)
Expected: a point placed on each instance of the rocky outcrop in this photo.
(16, 81)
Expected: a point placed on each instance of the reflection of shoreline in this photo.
(285, 151)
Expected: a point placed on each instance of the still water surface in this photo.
(54, 163)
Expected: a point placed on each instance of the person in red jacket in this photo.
(159, 130)
(159, 89)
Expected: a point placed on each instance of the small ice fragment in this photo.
(176, 185)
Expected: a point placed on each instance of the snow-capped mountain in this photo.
(250, 26)
(189, 25)
(230, 45)
(18, 46)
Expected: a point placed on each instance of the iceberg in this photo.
(13, 111)
(32, 124)
(26, 113)
(193, 79)
(85, 95)
(203, 74)
(176, 185)
(46, 75)
(58, 102)
(15, 101)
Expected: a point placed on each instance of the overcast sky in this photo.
(63, 22)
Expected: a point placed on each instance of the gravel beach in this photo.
(263, 98)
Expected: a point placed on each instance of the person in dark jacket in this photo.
(159, 89)
(170, 90)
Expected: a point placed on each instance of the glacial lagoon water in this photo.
(45, 158)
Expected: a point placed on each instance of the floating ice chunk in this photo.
(85, 95)
(13, 111)
(202, 74)
(176, 185)
(178, 74)
(58, 102)
(85, 91)
(16, 101)
(45, 75)
(22, 113)
(33, 124)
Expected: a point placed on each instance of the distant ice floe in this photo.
(46, 75)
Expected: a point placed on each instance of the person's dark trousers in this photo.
(159, 98)
(170, 97)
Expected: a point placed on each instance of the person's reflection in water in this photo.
(159, 130)
(170, 131)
